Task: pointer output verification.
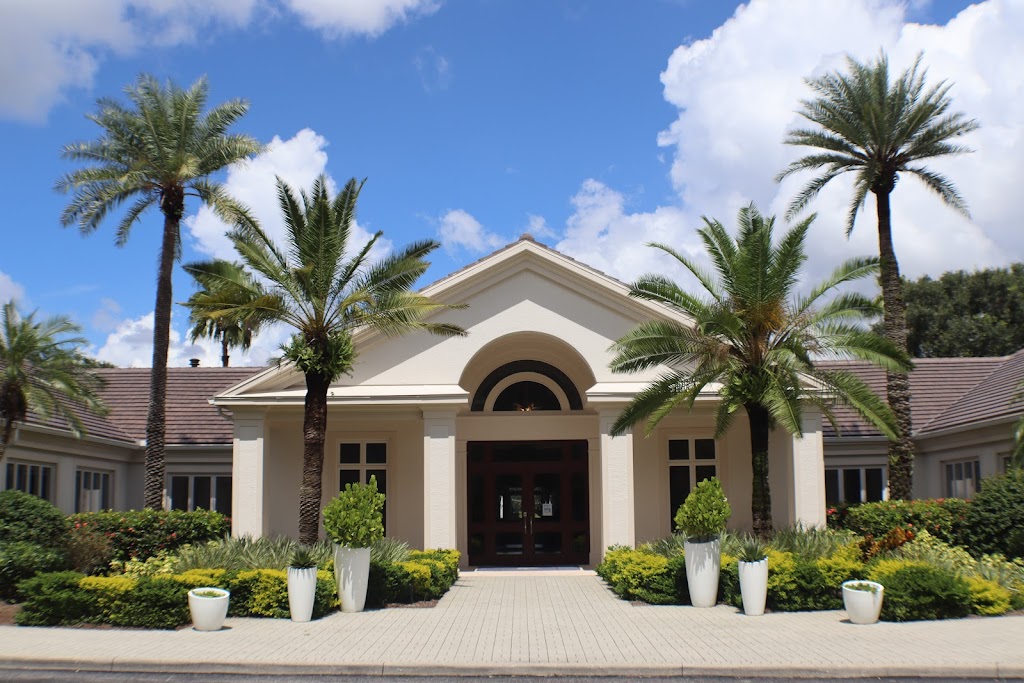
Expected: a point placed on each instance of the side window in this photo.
(855, 484)
(200, 492)
(360, 460)
(689, 461)
(92, 490)
(34, 478)
(963, 478)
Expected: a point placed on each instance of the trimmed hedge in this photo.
(640, 574)
(20, 560)
(944, 518)
(996, 517)
(916, 591)
(24, 517)
(141, 534)
(426, 575)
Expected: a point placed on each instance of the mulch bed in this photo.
(7, 612)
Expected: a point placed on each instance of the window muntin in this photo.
(93, 490)
(865, 484)
(690, 461)
(358, 460)
(190, 492)
(29, 477)
(963, 478)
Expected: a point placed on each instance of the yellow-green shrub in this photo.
(260, 593)
(419, 577)
(988, 598)
(198, 578)
(843, 565)
(106, 592)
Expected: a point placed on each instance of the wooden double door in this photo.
(528, 503)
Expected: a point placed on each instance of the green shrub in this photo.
(995, 521)
(244, 552)
(641, 574)
(669, 587)
(260, 593)
(944, 518)
(325, 598)
(389, 549)
(89, 551)
(915, 591)
(389, 583)
(811, 543)
(54, 599)
(144, 533)
(704, 513)
(24, 517)
(354, 517)
(671, 546)
(448, 560)
(988, 598)
(156, 602)
(20, 560)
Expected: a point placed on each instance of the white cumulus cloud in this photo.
(297, 161)
(9, 289)
(737, 92)
(366, 17)
(459, 228)
(50, 46)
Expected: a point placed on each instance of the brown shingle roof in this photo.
(994, 397)
(937, 386)
(190, 417)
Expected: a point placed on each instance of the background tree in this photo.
(964, 314)
(877, 128)
(230, 331)
(42, 370)
(326, 289)
(758, 339)
(156, 152)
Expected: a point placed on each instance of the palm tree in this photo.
(42, 370)
(231, 332)
(326, 292)
(877, 129)
(156, 152)
(757, 339)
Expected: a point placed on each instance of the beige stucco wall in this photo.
(990, 444)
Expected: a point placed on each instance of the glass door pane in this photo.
(509, 539)
(545, 528)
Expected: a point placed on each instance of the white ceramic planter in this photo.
(301, 592)
(352, 570)
(863, 607)
(208, 613)
(754, 586)
(703, 561)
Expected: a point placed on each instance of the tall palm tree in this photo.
(326, 289)
(758, 339)
(876, 128)
(42, 370)
(231, 332)
(156, 152)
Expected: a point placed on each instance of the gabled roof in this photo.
(945, 392)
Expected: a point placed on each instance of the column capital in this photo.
(439, 414)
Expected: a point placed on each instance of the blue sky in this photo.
(597, 126)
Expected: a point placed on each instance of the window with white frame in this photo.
(200, 492)
(92, 490)
(856, 484)
(690, 461)
(358, 460)
(34, 478)
(963, 478)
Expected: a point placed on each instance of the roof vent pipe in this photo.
(194, 362)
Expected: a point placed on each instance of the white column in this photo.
(248, 470)
(808, 469)
(617, 519)
(439, 518)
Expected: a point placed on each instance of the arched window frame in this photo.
(547, 382)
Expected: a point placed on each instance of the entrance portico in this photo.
(499, 443)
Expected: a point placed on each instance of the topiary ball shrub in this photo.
(20, 560)
(24, 517)
(915, 592)
(995, 520)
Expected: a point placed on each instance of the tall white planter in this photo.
(703, 562)
(208, 607)
(754, 586)
(863, 606)
(352, 571)
(301, 592)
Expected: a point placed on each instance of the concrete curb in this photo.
(128, 665)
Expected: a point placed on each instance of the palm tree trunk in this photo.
(224, 358)
(314, 432)
(894, 322)
(155, 420)
(761, 495)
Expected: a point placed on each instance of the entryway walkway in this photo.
(541, 623)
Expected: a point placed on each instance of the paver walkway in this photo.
(555, 623)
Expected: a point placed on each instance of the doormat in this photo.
(565, 568)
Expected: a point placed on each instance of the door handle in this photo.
(526, 517)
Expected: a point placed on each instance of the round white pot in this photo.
(863, 606)
(703, 561)
(301, 592)
(754, 586)
(352, 570)
(208, 612)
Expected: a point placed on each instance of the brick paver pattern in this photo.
(565, 622)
